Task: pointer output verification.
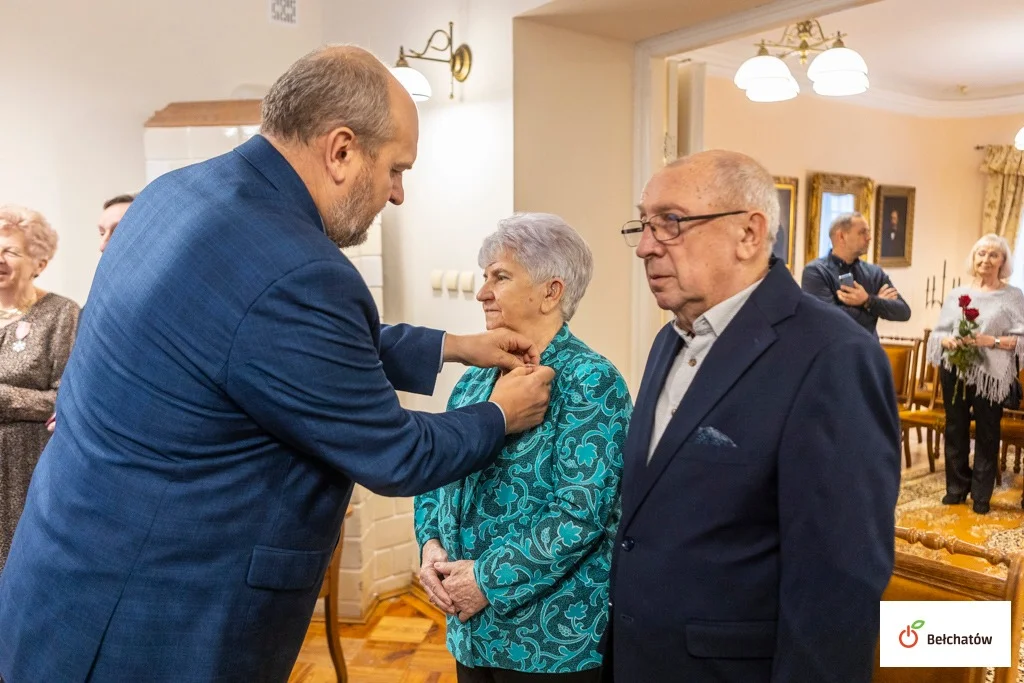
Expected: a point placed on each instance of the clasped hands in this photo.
(451, 586)
(981, 340)
(856, 295)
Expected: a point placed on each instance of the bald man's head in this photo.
(734, 180)
(335, 86)
(349, 129)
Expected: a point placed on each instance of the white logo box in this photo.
(944, 633)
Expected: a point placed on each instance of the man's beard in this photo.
(348, 220)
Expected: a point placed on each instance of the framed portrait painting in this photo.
(785, 240)
(829, 196)
(894, 226)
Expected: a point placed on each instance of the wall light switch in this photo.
(466, 281)
(436, 280)
(451, 280)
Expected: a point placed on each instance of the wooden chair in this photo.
(926, 374)
(902, 353)
(932, 418)
(1011, 433)
(920, 578)
(329, 591)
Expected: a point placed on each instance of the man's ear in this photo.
(755, 235)
(341, 152)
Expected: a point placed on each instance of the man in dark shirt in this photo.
(871, 295)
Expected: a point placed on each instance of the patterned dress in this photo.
(540, 522)
(33, 353)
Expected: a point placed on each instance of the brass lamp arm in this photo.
(801, 38)
(459, 60)
(430, 46)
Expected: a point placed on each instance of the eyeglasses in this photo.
(665, 227)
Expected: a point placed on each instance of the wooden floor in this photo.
(403, 642)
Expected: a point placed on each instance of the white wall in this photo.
(461, 184)
(80, 79)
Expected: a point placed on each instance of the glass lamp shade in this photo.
(1018, 141)
(760, 67)
(838, 72)
(773, 89)
(766, 79)
(413, 81)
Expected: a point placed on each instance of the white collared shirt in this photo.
(706, 329)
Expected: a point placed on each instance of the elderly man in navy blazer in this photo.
(762, 462)
(230, 381)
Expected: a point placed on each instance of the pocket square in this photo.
(709, 436)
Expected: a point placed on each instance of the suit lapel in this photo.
(642, 423)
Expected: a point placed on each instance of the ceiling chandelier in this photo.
(837, 71)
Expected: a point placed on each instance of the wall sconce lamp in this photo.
(459, 61)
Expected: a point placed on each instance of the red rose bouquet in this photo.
(964, 356)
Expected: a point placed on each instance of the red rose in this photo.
(971, 314)
(965, 301)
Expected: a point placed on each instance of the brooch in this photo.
(20, 332)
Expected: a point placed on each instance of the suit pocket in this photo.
(716, 455)
(731, 639)
(280, 569)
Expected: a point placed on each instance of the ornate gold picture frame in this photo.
(894, 226)
(785, 241)
(828, 195)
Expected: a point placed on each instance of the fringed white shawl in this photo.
(1000, 314)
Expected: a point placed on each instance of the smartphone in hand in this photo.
(846, 280)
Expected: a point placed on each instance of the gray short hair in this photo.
(1000, 243)
(40, 238)
(741, 180)
(334, 86)
(547, 247)
(842, 223)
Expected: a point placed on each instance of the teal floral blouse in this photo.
(540, 521)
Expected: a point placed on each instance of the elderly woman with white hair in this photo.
(519, 554)
(37, 330)
(979, 388)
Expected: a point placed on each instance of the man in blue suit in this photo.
(180, 522)
(762, 463)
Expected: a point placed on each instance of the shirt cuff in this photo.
(440, 364)
(504, 420)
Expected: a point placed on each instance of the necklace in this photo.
(7, 314)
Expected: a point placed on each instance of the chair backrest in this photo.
(922, 578)
(1020, 378)
(925, 373)
(901, 357)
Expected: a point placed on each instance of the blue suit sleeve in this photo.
(410, 357)
(305, 367)
(426, 518)
(839, 473)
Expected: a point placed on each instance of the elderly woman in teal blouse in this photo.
(519, 554)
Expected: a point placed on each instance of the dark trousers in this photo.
(959, 477)
(483, 674)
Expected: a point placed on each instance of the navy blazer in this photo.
(229, 383)
(756, 544)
